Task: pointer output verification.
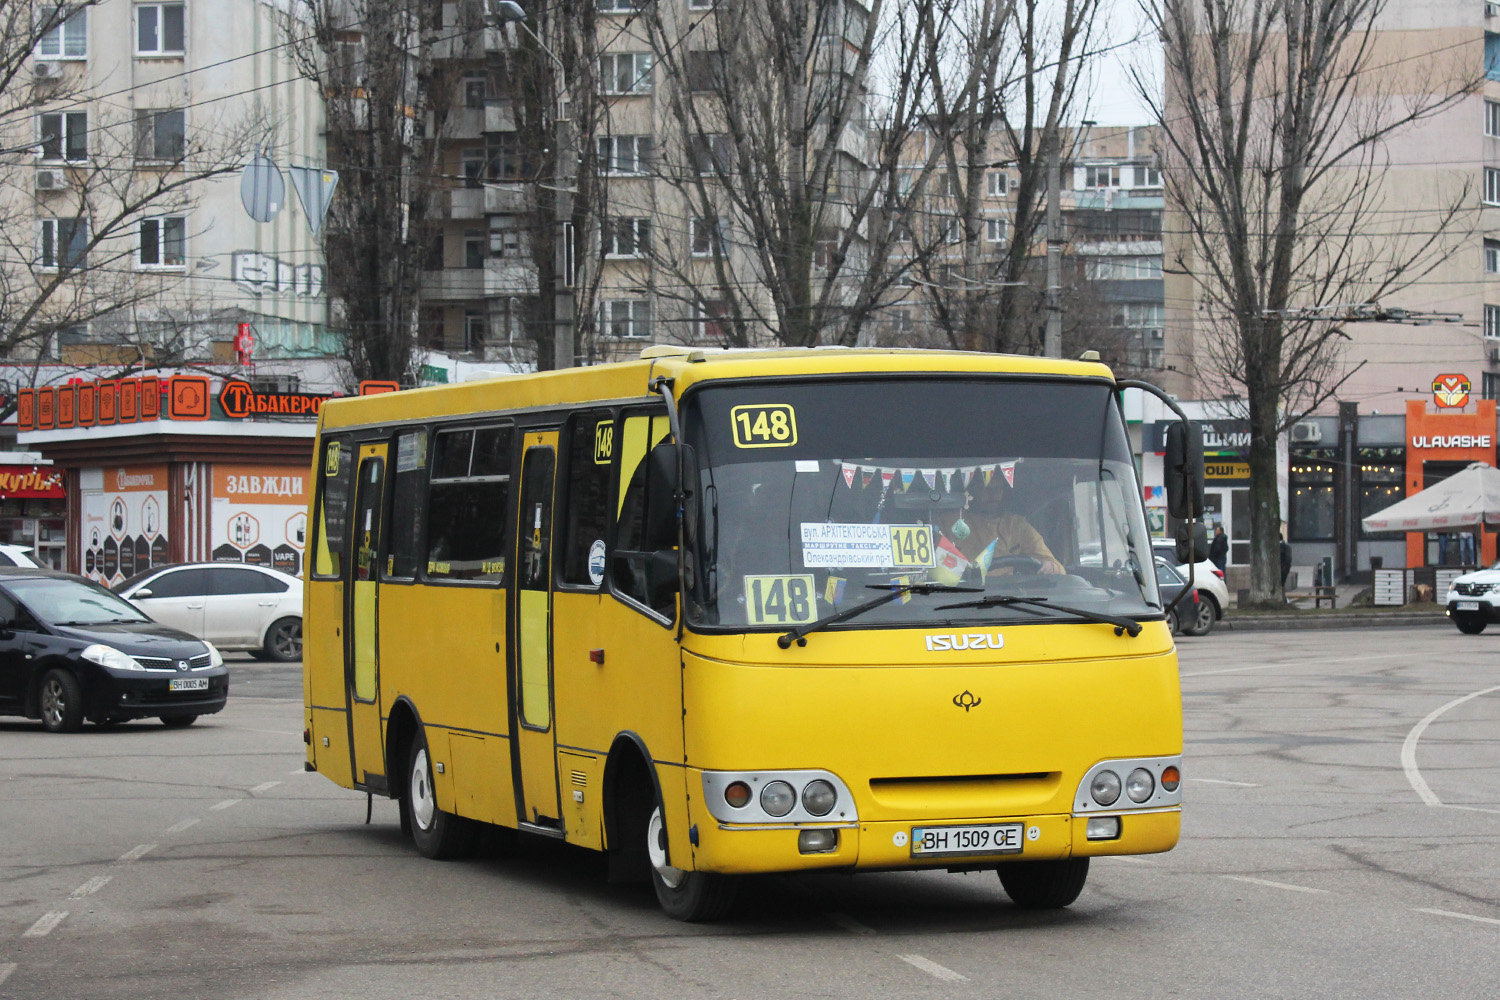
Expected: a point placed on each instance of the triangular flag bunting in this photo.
(989, 470)
(907, 475)
(849, 476)
(968, 475)
(929, 476)
(1009, 468)
(886, 475)
(865, 476)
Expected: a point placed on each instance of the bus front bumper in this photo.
(887, 846)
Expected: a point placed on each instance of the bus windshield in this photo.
(816, 495)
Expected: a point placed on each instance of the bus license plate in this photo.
(188, 684)
(1000, 838)
(1468, 605)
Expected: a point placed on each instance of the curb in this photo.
(1282, 623)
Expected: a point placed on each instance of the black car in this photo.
(70, 650)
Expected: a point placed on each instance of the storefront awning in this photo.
(1463, 500)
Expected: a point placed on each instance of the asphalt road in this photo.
(1341, 827)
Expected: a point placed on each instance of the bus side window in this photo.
(637, 436)
(404, 554)
(590, 451)
(336, 470)
(468, 503)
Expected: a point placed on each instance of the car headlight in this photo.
(778, 798)
(1105, 788)
(819, 797)
(1140, 785)
(214, 659)
(109, 656)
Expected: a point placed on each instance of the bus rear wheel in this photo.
(437, 834)
(1044, 885)
(693, 897)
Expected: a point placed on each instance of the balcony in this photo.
(491, 199)
(499, 276)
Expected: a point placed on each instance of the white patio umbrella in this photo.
(1463, 501)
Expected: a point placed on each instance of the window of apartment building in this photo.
(625, 73)
(163, 241)
(1492, 119)
(65, 136)
(706, 325)
(620, 5)
(1122, 268)
(995, 183)
(1492, 321)
(1490, 387)
(160, 135)
(508, 159)
(626, 318)
(69, 40)
(1139, 315)
(62, 244)
(624, 154)
(471, 165)
(995, 230)
(1311, 497)
(1101, 177)
(506, 237)
(705, 71)
(476, 88)
(476, 329)
(898, 322)
(159, 29)
(626, 236)
(476, 243)
(1492, 256)
(1147, 176)
(712, 153)
(702, 4)
(944, 183)
(709, 236)
(1492, 55)
(826, 254)
(1492, 185)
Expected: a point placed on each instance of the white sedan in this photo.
(232, 605)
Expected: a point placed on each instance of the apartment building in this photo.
(124, 175)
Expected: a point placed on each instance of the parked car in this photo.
(71, 650)
(1473, 600)
(17, 555)
(232, 605)
(1213, 592)
(1171, 582)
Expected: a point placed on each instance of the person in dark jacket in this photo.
(1218, 549)
(1286, 563)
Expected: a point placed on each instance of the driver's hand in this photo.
(1050, 569)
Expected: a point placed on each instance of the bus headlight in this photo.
(818, 797)
(1140, 785)
(778, 798)
(1105, 788)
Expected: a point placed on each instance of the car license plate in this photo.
(999, 838)
(1468, 605)
(188, 684)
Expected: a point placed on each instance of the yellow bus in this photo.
(718, 613)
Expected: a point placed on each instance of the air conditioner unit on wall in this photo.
(1492, 9)
(51, 180)
(1307, 432)
(47, 70)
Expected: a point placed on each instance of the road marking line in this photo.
(181, 825)
(930, 967)
(224, 805)
(6, 968)
(46, 924)
(849, 924)
(1459, 916)
(1409, 747)
(264, 786)
(135, 854)
(1221, 781)
(300, 770)
(90, 887)
(1273, 885)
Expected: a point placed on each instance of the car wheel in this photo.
(284, 640)
(61, 702)
(1044, 885)
(693, 897)
(1469, 624)
(1208, 613)
(437, 834)
(178, 721)
(1172, 622)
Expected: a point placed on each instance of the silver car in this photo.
(232, 605)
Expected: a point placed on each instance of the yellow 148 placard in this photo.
(765, 425)
(780, 600)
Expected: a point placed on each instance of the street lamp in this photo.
(506, 11)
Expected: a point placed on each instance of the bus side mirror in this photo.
(1192, 546)
(662, 486)
(1183, 471)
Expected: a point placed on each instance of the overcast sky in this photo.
(1113, 99)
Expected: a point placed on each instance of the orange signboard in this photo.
(67, 401)
(187, 397)
(26, 409)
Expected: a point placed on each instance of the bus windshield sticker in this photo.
(764, 425)
(780, 600)
(596, 562)
(604, 442)
(411, 452)
(868, 546)
(807, 465)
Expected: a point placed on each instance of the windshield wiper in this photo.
(894, 591)
(1122, 625)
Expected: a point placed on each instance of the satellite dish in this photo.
(262, 189)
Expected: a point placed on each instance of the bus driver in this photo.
(983, 520)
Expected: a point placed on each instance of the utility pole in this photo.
(1052, 344)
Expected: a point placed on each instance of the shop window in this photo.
(408, 491)
(591, 447)
(337, 475)
(1312, 495)
(1382, 475)
(468, 504)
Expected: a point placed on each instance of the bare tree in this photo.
(1277, 117)
(68, 247)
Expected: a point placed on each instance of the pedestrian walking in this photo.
(1218, 549)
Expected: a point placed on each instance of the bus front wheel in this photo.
(689, 896)
(437, 834)
(1044, 885)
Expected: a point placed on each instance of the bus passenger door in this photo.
(362, 648)
(535, 761)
